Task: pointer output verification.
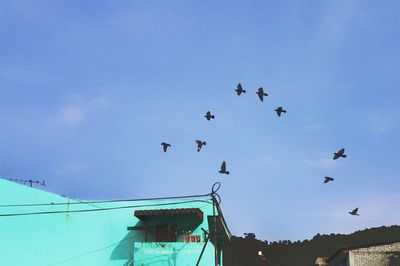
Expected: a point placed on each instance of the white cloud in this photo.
(80, 108)
(72, 115)
(100, 102)
(126, 157)
(267, 160)
(313, 127)
(25, 75)
(381, 121)
(374, 210)
(335, 22)
(326, 163)
(69, 169)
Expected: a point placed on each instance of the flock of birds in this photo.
(337, 155)
(209, 116)
(279, 110)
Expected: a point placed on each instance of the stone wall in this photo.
(384, 255)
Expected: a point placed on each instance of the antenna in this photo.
(30, 181)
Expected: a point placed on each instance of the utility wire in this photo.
(92, 251)
(99, 201)
(98, 209)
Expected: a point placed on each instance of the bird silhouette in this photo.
(261, 93)
(328, 179)
(354, 212)
(165, 146)
(200, 144)
(209, 116)
(280, 110)
(339, 154)
(239, 90)
(223, 168)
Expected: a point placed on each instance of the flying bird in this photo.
(200, 144)
(223, 169)
(339, 154)
(280, 110)
(328, 179)
(239, 89)
(209, 116)
(354, 212)
(261, 94)
(165, 146)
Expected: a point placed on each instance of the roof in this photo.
(146, 214)
(347, 249)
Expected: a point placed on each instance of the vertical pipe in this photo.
(68, 208)
(215, 234)
(202, 251)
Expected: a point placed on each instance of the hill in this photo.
(244, 251)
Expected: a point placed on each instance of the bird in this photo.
(328, 179)
(200, 144)
(354, 212)
(223, 168)
(261, 93)
(279, 111)
(339, 154)
(165, 146)
(209, 116)
(239, 89)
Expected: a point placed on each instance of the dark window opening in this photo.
(166, 233)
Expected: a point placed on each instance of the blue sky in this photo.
(90, 89)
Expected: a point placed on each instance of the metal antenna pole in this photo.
(204, 246)
(30, 181)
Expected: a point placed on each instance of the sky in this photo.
(89, 90)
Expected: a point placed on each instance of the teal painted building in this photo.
(38, 228)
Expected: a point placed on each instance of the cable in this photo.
(101, 201)
(99, 209)
(91, 252)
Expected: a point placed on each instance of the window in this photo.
(166, 233)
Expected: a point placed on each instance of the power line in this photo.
(92, 251)
(98, 209)
(99, 201)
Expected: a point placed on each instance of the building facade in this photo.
(38, 228)
(383, 254)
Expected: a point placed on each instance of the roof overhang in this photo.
(193, 214)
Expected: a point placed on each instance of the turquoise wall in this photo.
(172, 254)
(88, 238)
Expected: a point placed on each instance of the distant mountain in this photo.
(244, 251)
